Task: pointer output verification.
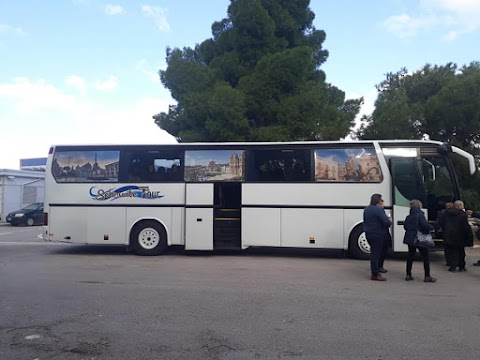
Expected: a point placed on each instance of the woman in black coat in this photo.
(416, 221)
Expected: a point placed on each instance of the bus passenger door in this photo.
(199, 216)
(406, 186)
(399, 215)
(227, 224)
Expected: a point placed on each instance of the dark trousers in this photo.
(457, 256)
(448, 254)
(376, 243)
(411, 256)
(386, 244)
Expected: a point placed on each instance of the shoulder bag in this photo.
(423, 240)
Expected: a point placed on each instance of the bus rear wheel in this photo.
(149, 238)
(358, 246)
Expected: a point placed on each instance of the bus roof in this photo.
(270, 143)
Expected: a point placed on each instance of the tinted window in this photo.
(86, 166)
(419, 174)
(407, 181)
(152, 166)
(279, 165)
(214, 165)
(352, 165)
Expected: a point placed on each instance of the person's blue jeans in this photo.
(376, 247)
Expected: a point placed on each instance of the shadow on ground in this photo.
(120, 250)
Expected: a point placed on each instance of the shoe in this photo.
(477, 263)
(409, 278)
(429, 279)
(462, 270)
(378, 278)
(452, 270)
(382, 270)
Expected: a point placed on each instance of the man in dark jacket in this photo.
(474, 220)
(441, 220)
(456, 235)
(387, 243)
(375, 225)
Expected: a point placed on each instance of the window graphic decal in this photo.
(86, 166)
(347, 165)
(214, 165)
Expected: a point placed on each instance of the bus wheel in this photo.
(149, 238)
(358, 247)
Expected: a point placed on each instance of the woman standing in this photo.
(416, 221)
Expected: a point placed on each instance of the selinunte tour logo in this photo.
(124, 192)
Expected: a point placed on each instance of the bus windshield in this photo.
(424, 175)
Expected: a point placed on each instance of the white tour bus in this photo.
(208, 196)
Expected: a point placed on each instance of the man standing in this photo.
(474, 220)
(456, 235)
(375, 225)
(441, 220)
(387, 243)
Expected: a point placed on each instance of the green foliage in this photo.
(454, 113)
(257, 78)
(393, 118)
(441, 102)
(469, 184)
(471, 199)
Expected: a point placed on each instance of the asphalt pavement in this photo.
(62, 301)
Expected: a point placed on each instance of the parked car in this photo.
(30, 215)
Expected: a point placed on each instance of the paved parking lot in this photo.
(86, 302)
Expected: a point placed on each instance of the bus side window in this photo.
(134, 173)
(280, 166)
(174, 174)
(158, 175)
(264, 173)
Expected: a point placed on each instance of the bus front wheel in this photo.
(358, 246)
(149, 238)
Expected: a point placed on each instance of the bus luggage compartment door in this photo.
(199, 217)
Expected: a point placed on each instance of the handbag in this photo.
(423, 240)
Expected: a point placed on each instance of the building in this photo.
(19, 188)
(35, 164)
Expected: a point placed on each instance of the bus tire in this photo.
(358, 247)
(149, 238)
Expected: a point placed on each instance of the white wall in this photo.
(12, 185)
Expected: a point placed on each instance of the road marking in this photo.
(32, 337)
